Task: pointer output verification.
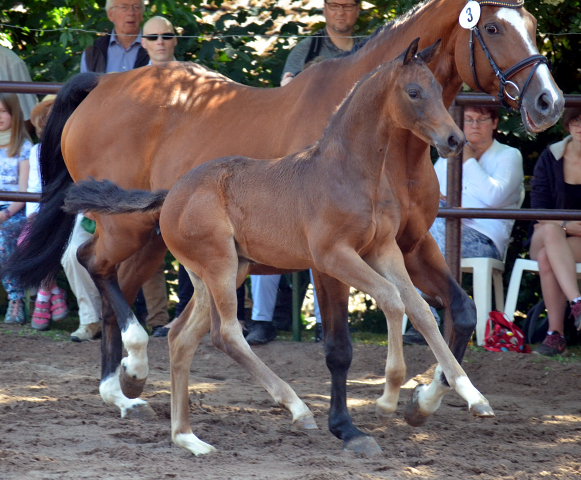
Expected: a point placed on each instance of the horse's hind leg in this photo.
(221, 279)
(333, 297)
(122, 379)
(184, 338)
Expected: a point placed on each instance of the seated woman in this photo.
(492, 177)
(556, 244)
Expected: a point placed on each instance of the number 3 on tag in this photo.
(470, 15)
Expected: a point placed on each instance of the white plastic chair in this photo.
(520, 266)
(486, 272)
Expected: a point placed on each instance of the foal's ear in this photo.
(428, 53)
(411, 51)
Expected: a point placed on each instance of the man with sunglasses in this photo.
(330, 42)
(121, 50)
(159, 39)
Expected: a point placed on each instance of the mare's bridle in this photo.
(504, 77)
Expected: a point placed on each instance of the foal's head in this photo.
(415, 101)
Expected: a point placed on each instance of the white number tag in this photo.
(470, 15)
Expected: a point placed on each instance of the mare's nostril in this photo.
(453, 142)
(543, 102)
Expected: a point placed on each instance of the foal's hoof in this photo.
(306, 423)
(131, 386)
(482, 410)
(364, 444)
(414, 415)
(383, 416)
(141, 411)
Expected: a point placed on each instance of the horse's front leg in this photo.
(184, 338)
(429, 272)
(333, 297)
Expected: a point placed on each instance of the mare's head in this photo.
(497, 53)
(415, 102)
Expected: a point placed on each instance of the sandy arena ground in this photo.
(54, 425)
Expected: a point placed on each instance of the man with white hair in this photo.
(121, 50)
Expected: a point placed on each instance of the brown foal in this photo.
(347, 193)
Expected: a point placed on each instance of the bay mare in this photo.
(146, 128)
(231, 212)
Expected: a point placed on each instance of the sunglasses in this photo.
(155, 36)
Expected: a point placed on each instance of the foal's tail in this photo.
(107, 198)
(38, 256)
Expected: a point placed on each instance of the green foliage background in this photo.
(50, 42)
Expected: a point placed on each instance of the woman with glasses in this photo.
(492, 177)
(556, 244)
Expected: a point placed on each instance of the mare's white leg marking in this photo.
(192, 444)
(514, 18)
(430, 397)
(135, 340)
(111, 394)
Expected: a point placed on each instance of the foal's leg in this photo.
(184, 338)
(389, 293)
(221, 280)
(333, 297)
(430, 273)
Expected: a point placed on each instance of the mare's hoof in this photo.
(414, 416)
(141, 411)
(131, 387)
(482, 410)
(364, 444)
(306, 423)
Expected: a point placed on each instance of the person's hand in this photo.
(573, 228)
(442, 197)
(286, 78)
(467, 153)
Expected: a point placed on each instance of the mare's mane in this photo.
(390, 27)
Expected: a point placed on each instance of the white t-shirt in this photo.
(494, 181)
(9, 168)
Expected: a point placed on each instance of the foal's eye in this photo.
(414, 94)
(491, 29)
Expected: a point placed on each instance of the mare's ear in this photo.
(427, 54)
(411, 51)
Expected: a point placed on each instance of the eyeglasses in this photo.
(125, 7)
(476, 121)
(155, 36)
(575, 122)
(347, 8)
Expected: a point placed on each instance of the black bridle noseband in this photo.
(504, 77)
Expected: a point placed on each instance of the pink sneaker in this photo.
(58, 306)
(41, 316)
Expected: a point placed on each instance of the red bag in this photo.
(501, 335)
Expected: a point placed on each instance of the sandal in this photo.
(40, 316)
(58, 306)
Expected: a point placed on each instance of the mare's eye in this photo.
(491, 29)
(414, 94)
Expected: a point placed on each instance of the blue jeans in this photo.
(474, 243)
(9, 232)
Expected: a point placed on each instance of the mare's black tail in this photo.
(106, 197)
(38, 256)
